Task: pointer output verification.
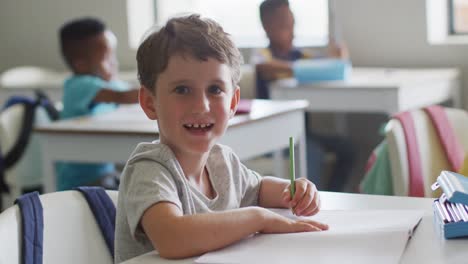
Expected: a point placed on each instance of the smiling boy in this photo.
(185, 195)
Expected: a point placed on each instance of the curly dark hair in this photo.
(74, 35)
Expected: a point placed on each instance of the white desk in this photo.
(375, 90)
(113, 136)
(426, 246)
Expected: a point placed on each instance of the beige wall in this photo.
(28, 29)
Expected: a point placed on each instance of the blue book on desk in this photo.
(316, 70)
(451, 209)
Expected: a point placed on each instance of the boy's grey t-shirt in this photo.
(153, 175)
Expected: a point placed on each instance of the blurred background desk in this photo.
(426, 245)
(361, 104)
(113, 136)
(375, 90)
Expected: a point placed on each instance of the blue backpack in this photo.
(32, 223)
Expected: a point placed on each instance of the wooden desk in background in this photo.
(113, 136)
(426, 245)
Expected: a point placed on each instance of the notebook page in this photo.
(354, 237)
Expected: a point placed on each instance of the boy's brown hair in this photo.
(190, 35)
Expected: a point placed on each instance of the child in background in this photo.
(88, 48)
(274, 63)
(185, 195)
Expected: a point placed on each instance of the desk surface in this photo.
(426, 246)
(387, 90)
(380, 78)
(130, 119)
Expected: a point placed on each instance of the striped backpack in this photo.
(418, 145)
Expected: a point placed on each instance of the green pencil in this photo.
(292, 171)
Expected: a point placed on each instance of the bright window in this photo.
(447, 22)
(458, 16)
(241, 18)
(140, 17)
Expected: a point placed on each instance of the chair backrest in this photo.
(28, 76)
(431, 152)
(71, 234)
(27, 171)
(10, 126)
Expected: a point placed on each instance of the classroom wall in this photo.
(28, 29)
(392, 33)
(378, 33)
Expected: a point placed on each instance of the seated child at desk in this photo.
(274, 63)
(185, 195)
(88, 48)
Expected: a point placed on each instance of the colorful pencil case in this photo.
(451, 209)
(314, 70)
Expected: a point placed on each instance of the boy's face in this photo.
(279, 27)
(193, 102)
(102, 61)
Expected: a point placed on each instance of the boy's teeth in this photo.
(198, 125)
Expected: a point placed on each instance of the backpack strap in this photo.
(449, 141)
(17, 99)
(416, 181)
(16, 152)
(3, 186)
(10, 158)
(32, 228)
(23, 139)
(47, 104)
(104, 212)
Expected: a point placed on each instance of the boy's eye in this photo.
(215, 89)
(181, 89)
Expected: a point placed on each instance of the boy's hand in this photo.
(275, 223)
(306, 201)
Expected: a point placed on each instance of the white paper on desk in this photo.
(354, 237)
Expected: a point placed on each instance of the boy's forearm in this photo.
(119, 97)
(192, 235)
(271, 192)
(128, 97)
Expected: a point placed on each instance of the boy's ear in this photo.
(235, 101)
(146, 100)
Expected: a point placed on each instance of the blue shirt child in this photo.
(79, 93)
